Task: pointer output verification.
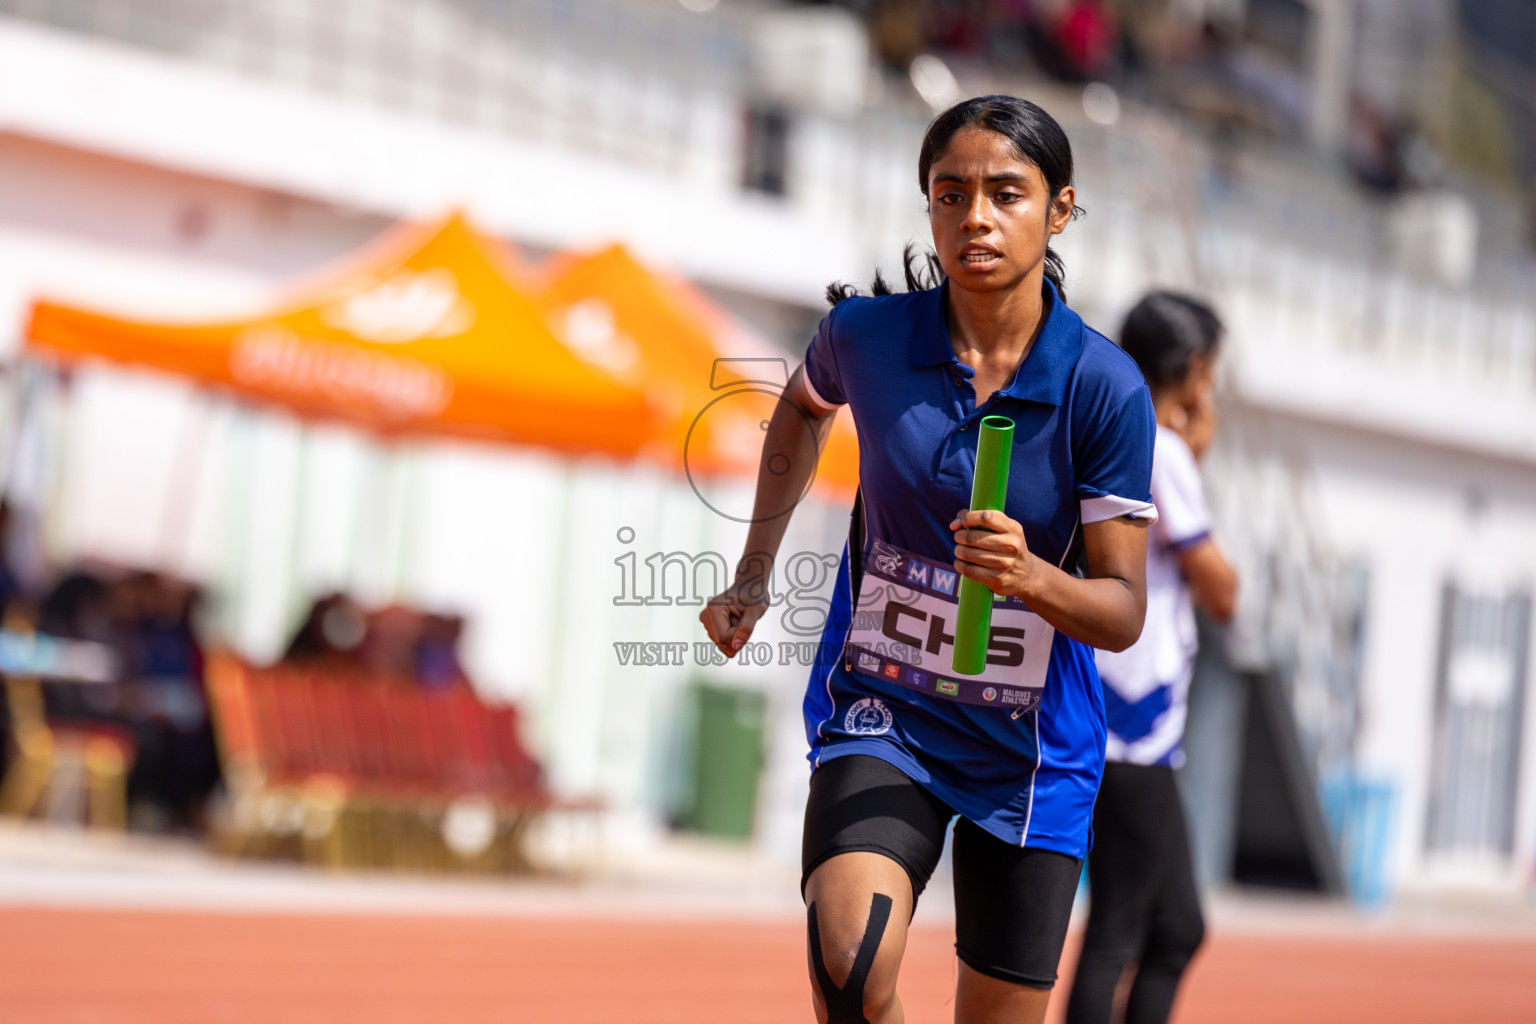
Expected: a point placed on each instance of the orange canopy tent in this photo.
(427, 334)
(713, 386)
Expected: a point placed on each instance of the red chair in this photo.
(364, 771)
(298, 733)
(230, 704)
(272, 756)
(408, 738)
(521, 775)
(365, 708)
(340, 750)
(479, 755)
(461, 749)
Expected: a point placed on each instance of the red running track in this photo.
(136, 967)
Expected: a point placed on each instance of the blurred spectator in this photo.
(1234, 84)
(77, 608)
(389, 648)
(1374, 148)
(1007, 32)
(395, 643)
(898, 32)
(165, 704)
(10, 585)
(331, 635)
(1071, 41)
(1278, 93)
(158, 697)
(957, 26)
(1088, 38)
(9, 591)
(437, 653)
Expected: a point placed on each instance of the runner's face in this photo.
(991, 211)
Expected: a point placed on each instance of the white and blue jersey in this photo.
(1082, 452)
(1146, 686)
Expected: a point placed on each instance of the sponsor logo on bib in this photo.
(990, 693)
(887, 558)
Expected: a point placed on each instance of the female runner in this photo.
(899, 743)
(1145, 911)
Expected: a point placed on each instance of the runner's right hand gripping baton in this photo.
(989, 488)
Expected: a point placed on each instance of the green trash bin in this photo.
(727, 760)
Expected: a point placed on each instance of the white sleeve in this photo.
(1184, 518)
(821, 404)
(1110, 506)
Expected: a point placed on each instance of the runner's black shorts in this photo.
(1012, 903)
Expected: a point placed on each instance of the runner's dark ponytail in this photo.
(921, 270)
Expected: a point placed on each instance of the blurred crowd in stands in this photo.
(392, 644)
(154, 700)
(1236, 79)
(1074, 41)
(155, 697)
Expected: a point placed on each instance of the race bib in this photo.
(903, 633)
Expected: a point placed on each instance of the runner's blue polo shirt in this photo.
(1082, 452)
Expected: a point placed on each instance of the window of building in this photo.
(1479, 704)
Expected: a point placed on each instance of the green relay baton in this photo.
(989, 488)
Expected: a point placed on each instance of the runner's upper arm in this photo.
(1211, 579)
(1117, 550)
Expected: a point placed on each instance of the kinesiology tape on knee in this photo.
(846, 1005)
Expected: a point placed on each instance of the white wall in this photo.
(1417, 517)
